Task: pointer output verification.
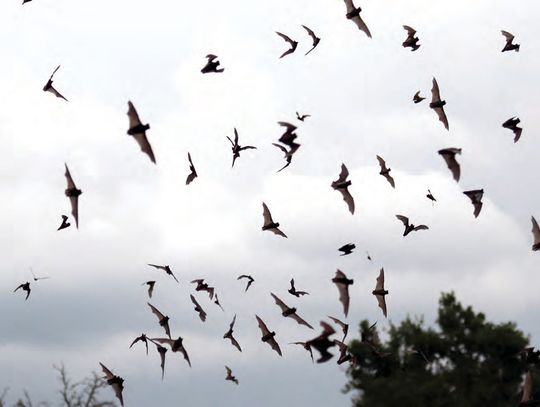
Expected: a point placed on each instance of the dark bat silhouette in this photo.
(449, 155)
(229, 335)
(289, 136)
(116, 382)
(163, 320)
(536, 234)
(341, 185)
(307, 347)
(138, 131)
(202, 286)
(344, 355)
(193, 174)
(198, 308)
(315, 39)
(417, 98)
(50, 88)
(166, 269)
(379, 292)
(509, 46)
(344, 327)
(385, 172)
(475, 196)
(162, 353)
(268, 336)
(322, 343)
(411, 41)
(26, 1)
(368, 256)
(512, 124)
(302, 117)
(342, 283)
(24, 287)
(347, 249)
(236, 148)
(230, 376)
(73, 193)
(150, 285)
(437, 104)
(65, 223)
(142, 338)
(409, 227)
(269, 223)
(212, 65)
(430, 196)
(293, 44)
(249, 278)
(294, 292)
(353, 14)
(176, 345)
(288, 156)
(216, 301)
(287, 311)
(38, 278)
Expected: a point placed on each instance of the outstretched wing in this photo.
(403, 219)
(380, 281)
(343, 292)
(343, 174)
(509, 37)
(449, 156)
(156, 312)
(382, 164)
(347, 197)
(140, 137)
(535, 231)
(107, 372)
(435, 93)
(267, 215)
(286, 38)
(262, 326)
(281, 304)
(442, 116)
(410, 31)
(74, 200)
(193, 174)
(300, 320)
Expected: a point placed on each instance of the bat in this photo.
(409, 227)
(347, 249)
(293, 44)
(430, 196)
(385, 172)
(476, 199)
(236, 148)
(249, 278)
(536, 234)
(287, 311)
(269, 223)
(288, 156)
(193, 174)
(150, 285)
(163, 320)
(26, 1)
(24, 287)
(437, 104)
(344, 327)
(417, 98)
(138, 131)
(379, 292)
(303, 116)
(411, 41)
(37, 278)
(162, 352)
(294, 292)
(368, 256)
(316, 41)
(73, 193)
(230, 375)
(341, 185)
(65, 223)
(307, 347)
(344, 355)
(198, 308)
(509, 46)
(142, 338)
(176, 345)
(321, 343)
(229, 335)
(166, 269)
(49, 85)
(342, 283)
(512, 124)
(212, 65)
(216, 301)
(449, 156)
(289, 136)
(353, 14)
(267, 336)
(116, 382)
(202, 286)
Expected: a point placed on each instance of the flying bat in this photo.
(176, 345)
(385, 172)
(229, 335)
(347, 249)
(163, 320)
(536, 234)
(353, 14)
(230, 376)
(216, 301)
(342, 283)
(268, 336)
(321, 343)
(315, 39)
(476, 199)
(344, 327)
(162, 353)
(116, 382)
(202, 286)
(509, 46)
(293, 44)
(430, 196)
(294, 292)
(138, 131)
(287, 311)
(269, 223)
(417, 98)
(368, 256)
(193, 174)
(65, 223)
(236, 148)
(150, 285)
(288, 156)
(249, 278)
(142, 338)
(449, 155)
(26, 1)
(512, 124)
(37, 278)
(437, 104)
(73, 193)
(302, 117)
(289, 136)
(198, 308)
(380, 292)
(212, 65)
(344, 355)
(341, 185)
(166, 269)
(24, 287)
(409, 227)
(411, 41)
(50, 88)
(306, 346)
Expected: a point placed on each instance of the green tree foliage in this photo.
(466, 361)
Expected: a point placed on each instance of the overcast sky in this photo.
(132, 212)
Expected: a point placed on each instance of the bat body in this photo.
(269, 223)
(73, 193)
(65, 223)
(476, 199)
(24, 287)
(49, 85)
(287, 311)
(512, 124)
(322, 343)
(212, 65)
(292, 43)
(342, 283)
(347, 249)
(249, 278)
(379, 292)
(344, 327)
(316, 41)
(236, 148)
(449, 156)
(385, 172)
(166, 269)
(150, 285)
(430, 196)
(437, 104)
(143, 338)
(138, 131)
(267, 336)
(536, 234)
(295, 292)
(198, 308)
(417, 98)
(116, 382)
(411, 41)
(176, 345)
(163, 319)
(353, 14)
(409, 227)
(193, 174)
(509, 46)
(229, 335)
(342, 185)
(202, 286)
(230, 376)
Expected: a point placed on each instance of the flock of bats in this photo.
(289, 146)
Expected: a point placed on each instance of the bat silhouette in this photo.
(230, 376)
(385, 172)
(342, 283)
(267, 336)
(50, 88)
(509, 46)
(212, 65)
(162, 353)
(202, 286)
(198, 308)
(303, 116)
(287, 311)
(26, 1)
(417, 98)
(315, 39)
(411, 41)
(321, 343)
(166, 269)
(379, 292)
(347, 249)
(138, 131)
(293, 44)
(527, 397)
(142, 338)
(249, 278)
(163, 320)
(353, 14)
(430, 196)
(37, 278)
(229, 335)
(512, 124)
(116, 382)
(368, 256)
(409, 227)
(341, 185)
(307, 347)
(536, 234)
(236, 148)
(176, 345)
(289, 136)
(344, 327)
(193, 174)
(437, 104)
(269, 223)
(65, 223)
(216, 301)
(73, 193)
(288, 156)
(150, 285)
(344, 355)
(24, 287)
(475, 196)
(294, 292)
(449, 155)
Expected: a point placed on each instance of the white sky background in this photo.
(131, 212)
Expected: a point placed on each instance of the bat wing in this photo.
(350, 6)
(267, 215)
(509, 37)
(382, 164)
(235, 343)
(435, 93)
(300, 320)
(380, 281)
(390, 179)
(535, 231)
(69, 179)
(198, 308)
(286, 38)
(107, 372)
(452, 164)
(289, 51)
(56, 93)
(421, 227)
(58, 67)
(362, 25)
(156, 312)
(382, 304)
(229, 371)
(343, 174)
(262, 326)
(403, 219)
(442, 116)
(118, 388)
(145, 146)
(73, 200)
(186, 356)
(310, 32)
(347, 197)
(281, 304)
(193, 173)
(274, 345)
(410, 31)
(343, 293)
(133, 116)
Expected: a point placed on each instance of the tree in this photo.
(466, 362)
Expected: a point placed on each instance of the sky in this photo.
(132, 212)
